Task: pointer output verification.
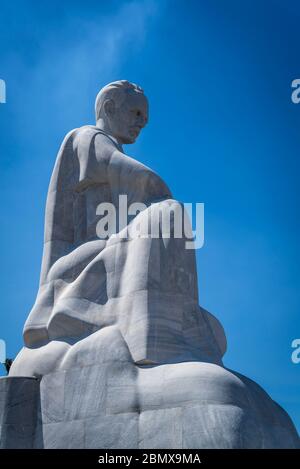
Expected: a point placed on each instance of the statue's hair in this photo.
(117, 91)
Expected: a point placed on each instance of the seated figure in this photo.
(126, 356)
(146, 286)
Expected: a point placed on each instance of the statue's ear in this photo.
(109, 107)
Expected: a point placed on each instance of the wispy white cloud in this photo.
(67, 71)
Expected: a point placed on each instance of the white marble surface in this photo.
(125, 356)
(112, 402)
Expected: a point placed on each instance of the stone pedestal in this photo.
(100, 398)
(19, 402)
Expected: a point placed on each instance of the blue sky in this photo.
(222, 131)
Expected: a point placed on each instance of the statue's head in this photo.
(122, 110)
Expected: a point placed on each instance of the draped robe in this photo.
(147, 287)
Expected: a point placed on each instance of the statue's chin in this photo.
(131, 136)
(129, 140)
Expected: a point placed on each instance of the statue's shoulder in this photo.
(82, 138)
(79, 134)
(76, 141)
(82, 134)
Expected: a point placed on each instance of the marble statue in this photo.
(145, 287)
(117, 351)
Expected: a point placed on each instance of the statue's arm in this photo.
(126, 172)
(101, 162)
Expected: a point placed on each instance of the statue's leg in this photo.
(161, 319)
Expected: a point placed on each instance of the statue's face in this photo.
(127, 120)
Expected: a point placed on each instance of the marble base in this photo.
(117, 404)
